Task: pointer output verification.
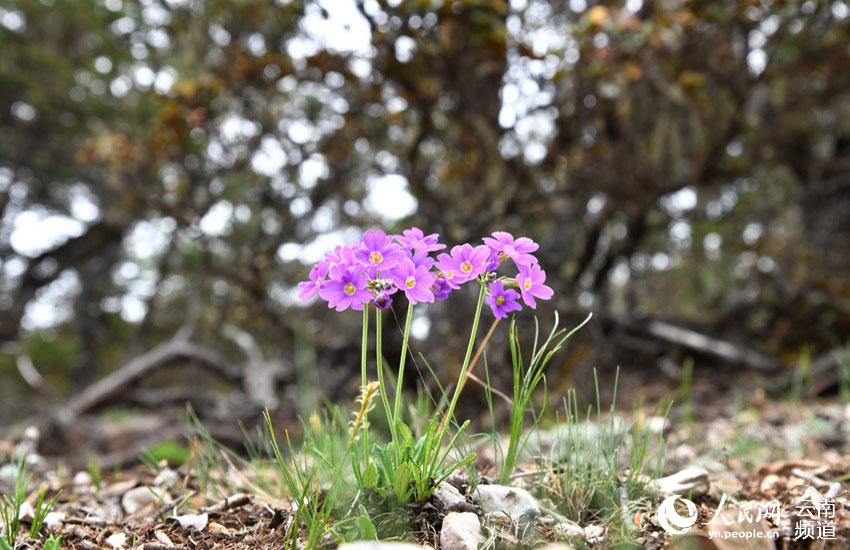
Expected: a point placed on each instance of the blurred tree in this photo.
(172, 160)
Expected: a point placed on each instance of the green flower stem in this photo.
(364, 366)
(469, 347)
(380, 360)
(364, 348)
(401, 362)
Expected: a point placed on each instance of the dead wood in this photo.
(139, 367)
(709, 345)
(69, 425)
(697, 342)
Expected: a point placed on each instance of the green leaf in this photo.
(370, 476)
(366, 528)
(401, 485)
(405, 435)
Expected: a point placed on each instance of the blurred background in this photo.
(169, 169)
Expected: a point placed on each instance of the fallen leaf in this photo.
(218, 528)
(693, 480)
(192, 521)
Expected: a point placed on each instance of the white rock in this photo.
(166, 478)
(517, 504)
(376, 545)
(116, 541)
(461, 531)
(82, 479)
(138, 498)
(594, 534)
(569, 529)
(693, 480)
(26, 513)
(451, 498)
(192, 521)
(54, 520)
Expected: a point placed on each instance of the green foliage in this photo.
(52, 543)
(40, 510)
(525, 382)
(172, 451)
(598, 466)
(312, 506)
(208, 458)
(410, 469)
(10, 506)
(802, 374)
(93, 468)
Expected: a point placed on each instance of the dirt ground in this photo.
(753, 452)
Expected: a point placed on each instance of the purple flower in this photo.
(346, 288)
(519, 250)
(417, 241)
(441, 288)
(463, 264)
(415, 282)
(421, 258)
(378, 252)
(502, 301)
(383, 301)
(493, 260)
(310, 288)
(531, 281)
(343, 254)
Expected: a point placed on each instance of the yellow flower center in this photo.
(466, 267)
(376, 258)
(410, 282)
(448, 274)
(349, 289)
(527, 284)
(500, 300)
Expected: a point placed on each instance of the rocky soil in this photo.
(745, 457)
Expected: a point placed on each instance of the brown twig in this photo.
(505, 397)
(478, 353)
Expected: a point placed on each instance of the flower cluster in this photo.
(378, 266)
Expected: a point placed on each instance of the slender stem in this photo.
(478, 353)
(462, 376)
(380, 360)
(402, 360)
(364, 348)
(364, 367)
